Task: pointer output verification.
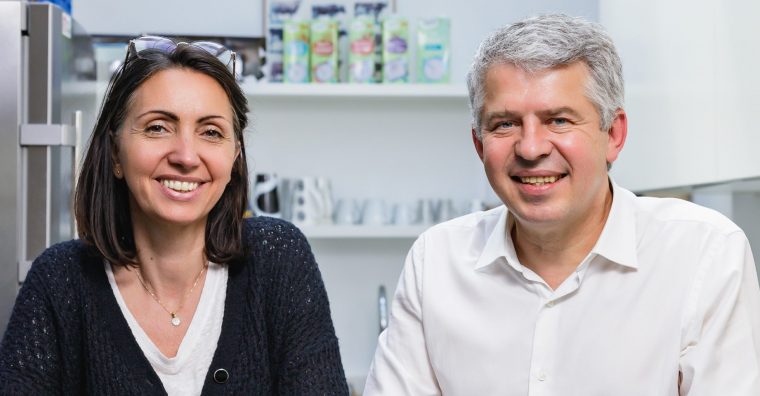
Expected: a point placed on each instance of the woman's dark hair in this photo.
(101, 202)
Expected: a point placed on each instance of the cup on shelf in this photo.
(265, 200)
(325, 189)
(347, 212)
(406, 213)
(285, 189)
(428, 211)
(446, 210)
(375, 212)
(311, 202)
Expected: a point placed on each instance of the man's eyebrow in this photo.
(559, 111)
(490, 116)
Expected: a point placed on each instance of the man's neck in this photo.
(554, 252)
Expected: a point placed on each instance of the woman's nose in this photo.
(184, 152)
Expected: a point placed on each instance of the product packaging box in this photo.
(278, 11)
(377, 11)
(395, 50)
(433, 50)
(361, 56)
(324, 51)
(296, 51)
(335, 11)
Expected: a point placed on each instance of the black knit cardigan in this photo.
(67, 334)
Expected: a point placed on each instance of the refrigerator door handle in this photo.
(47, 135)
(23, 269)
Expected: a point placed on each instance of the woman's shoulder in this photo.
(61, 261)
(262, 231)
(275, 240)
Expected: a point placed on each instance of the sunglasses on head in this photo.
(166, 45)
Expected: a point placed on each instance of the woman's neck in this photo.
(169, 256)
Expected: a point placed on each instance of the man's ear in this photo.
(478, 144)
(616, 135)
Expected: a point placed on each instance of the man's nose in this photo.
(533, 143)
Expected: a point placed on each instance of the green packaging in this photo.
(433, 50)
(361, 55)
(324, 51)
(295, 56)
(396, 50)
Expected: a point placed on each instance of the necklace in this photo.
(175, 321)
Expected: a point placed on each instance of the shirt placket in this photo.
(544, 348)
(546, 336)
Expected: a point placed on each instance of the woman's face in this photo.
(176, 147)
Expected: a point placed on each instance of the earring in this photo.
(117, 171)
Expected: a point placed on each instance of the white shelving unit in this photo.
(362, 231)
(412, 91)
(397, 143)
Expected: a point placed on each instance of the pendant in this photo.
(175, 320)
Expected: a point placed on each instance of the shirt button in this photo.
(550, 304)
(541, 376)
(221, 376)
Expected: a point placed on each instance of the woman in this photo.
(169, 290)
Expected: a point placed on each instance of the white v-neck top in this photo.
(185, 373)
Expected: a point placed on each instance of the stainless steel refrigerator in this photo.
(47, 106)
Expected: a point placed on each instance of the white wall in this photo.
(231, 18)
(692, 90)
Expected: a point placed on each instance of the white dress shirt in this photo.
(669, 286)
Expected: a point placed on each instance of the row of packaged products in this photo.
(368, 52)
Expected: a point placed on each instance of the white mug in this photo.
(375, 212)
(311, 204)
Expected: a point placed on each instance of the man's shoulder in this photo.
(481, 222)
(676, 211)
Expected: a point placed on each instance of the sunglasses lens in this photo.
(166, 45)
(219, 51)
(154, 42)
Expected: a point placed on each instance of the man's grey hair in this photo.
(548, 41)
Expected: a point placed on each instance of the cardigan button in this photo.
(221, 376)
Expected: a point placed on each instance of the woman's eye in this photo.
(155, 129)
(213, 133)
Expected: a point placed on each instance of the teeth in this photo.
(539, 181)
(182, 186)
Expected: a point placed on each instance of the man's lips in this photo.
(538, 180)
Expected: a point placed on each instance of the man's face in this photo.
(542, 147)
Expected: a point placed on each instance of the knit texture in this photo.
(68, 336)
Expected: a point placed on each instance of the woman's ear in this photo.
(117, 170)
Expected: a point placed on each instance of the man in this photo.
(575, 286)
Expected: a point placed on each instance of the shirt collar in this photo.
(617, 242)
(499, 244)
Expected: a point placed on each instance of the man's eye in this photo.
(560, 121)
(504, 125)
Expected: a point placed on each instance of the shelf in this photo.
(359, 231)
(346, 90)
